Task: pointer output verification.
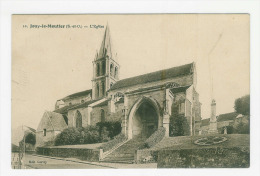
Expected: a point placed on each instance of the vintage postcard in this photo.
(130, 91)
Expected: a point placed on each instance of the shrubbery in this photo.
(30, 138)
(112, 127)
(179, 126)
(242, 128)
(102, 132)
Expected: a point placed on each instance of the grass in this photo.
(187, 142)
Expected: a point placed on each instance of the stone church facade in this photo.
(142, 104)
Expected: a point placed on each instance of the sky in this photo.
(51, 63)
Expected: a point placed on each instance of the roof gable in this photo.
(154, 76)
(52, 121)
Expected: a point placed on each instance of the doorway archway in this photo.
(144, 118)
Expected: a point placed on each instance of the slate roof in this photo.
(82, 105)
(104, 103)
(154, 76)
(64, 109)
(227, 116)
(57, 121)
(205, 122)
(179, 89)
(78, 94)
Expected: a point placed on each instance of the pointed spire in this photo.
(106, 46)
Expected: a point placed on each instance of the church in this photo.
(142, 103)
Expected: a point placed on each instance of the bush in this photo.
(179, 126)
(242, 128)
(69, 136)
(30, 138)
(102, 132)
(90, 135)
(113, 128)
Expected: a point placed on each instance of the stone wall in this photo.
(42, 140)
(234, 157)
(72, 116)
(83, 154)
(96, 114)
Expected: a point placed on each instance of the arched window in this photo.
(103, 88)
(111, 69)
(116, 72)
(97, 89)
(103, 67)
(111, 84)
(102, 115)
(98, 69)
(78, 120)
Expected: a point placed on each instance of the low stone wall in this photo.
(80, 153)
(235, 157)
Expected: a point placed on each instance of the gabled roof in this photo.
(154, 76)
(227, 116)
(52, 120)
(179, 89)
(57, 121)
(82, 105)
(78, 94)
(205, 122)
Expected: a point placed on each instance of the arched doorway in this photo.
(144, 118)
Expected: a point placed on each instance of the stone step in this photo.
(125, 153)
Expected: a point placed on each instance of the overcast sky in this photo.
(49, 64)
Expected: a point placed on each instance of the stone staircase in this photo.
(125, 153)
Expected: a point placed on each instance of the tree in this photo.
(30, 138)
(179, 125)
(242, 105)
(113, 128)
(242, 128)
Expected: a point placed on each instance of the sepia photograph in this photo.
(130, 91)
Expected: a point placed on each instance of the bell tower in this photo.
(105, 68)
